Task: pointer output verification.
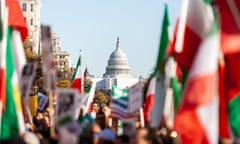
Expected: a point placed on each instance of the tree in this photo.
(64, 83)
(28, 45)
(100, 97)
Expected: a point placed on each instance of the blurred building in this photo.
(117, 71)
(61, 59)
(31, 10)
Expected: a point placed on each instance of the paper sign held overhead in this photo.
(66, 106)
(135, 98)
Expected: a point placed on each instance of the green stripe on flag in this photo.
(164, 39)
(76, 69)
(118, 93)
(176, 92)
(9, 123)
(208, 2)
(234, 116)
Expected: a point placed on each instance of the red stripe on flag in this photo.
(77, 84)
(191, 42)
(148, 106)
(190, 132)
(193, 97)
(230, 33)
(223, 112)
(2, 88)
(16, 18)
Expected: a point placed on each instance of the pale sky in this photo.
(94, 25)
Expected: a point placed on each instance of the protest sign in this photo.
(66, 106)
(42, 101)
(28, 74)
(135, 98)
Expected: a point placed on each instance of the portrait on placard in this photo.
(66, 105)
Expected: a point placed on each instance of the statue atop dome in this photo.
(117, 44)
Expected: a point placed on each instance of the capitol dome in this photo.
(117, 63)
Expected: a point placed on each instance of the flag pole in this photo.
(181, 26)
(141, 118)
(81, 73)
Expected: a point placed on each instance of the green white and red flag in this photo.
(197, 118)
(12, 123)
(77, 80)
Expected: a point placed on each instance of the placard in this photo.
(135, 98)
(66, 106)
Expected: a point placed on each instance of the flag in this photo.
(77, 77)
(197, 119)
(230, 25)
(149, 99)
(12, 118)
(176, 91)
(224, 127)
(230, 41)
(16, 18)
(3, 26)
(193, 25)
(87, 99)
(12, 123)
(164, 39)
(156, 113)
(119, 104)
(232, 91)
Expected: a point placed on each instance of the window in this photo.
(24, 7)
(31, 7)
(31, 21)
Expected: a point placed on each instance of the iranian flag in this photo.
(230, 25)
(153, 108)
(77, 77)
(148, 105)
(192, 26)
(164, 39)
(232, 91)
(197, 120)
(3, 27)
(87, 99)
(230, 45)
(12, 123)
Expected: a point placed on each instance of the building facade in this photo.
(117, 71)
(31, 10)
(61, 59)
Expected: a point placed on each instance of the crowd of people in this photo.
(104, 130)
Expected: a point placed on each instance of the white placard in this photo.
(66, 106)
(135, 98)
(28, 74)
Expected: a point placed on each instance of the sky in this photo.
(94, 25)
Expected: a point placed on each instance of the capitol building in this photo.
(117, 71)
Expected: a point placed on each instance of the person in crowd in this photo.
(95, 109)
(101, 120)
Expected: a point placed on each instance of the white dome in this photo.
(117, 63)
